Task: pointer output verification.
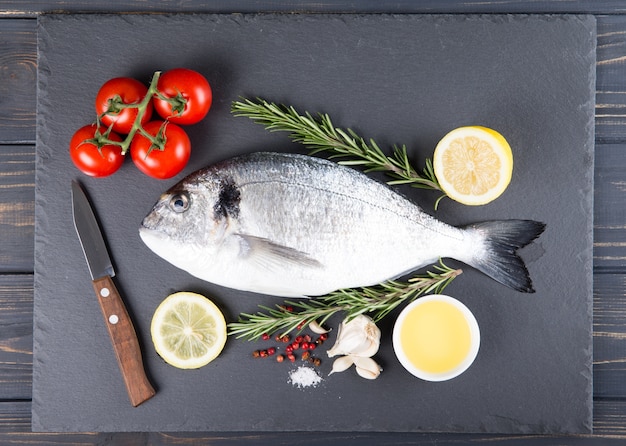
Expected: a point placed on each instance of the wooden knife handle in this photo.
(124, 339)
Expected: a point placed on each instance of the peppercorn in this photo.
(265, 336)
(305, 356)
(315, 361)
(256, 353)
(280, 358)
(323, 337)
(291, 357)
(263, 353)
(299, 339)
(312, 346)
(307, 338)
(271, 351)
(285, 339)
(295, 345)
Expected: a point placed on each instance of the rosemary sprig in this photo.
(378, 301)
(320, 135)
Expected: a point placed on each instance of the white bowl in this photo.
(458, 368)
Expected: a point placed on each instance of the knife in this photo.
(119, 325)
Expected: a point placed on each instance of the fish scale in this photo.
(297, 226)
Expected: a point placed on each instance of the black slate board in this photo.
(399, 79)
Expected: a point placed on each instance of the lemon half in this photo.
(188, 330)
(473, 164)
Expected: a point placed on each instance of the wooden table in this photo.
(18, 66)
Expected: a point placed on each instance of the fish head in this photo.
(191, 219)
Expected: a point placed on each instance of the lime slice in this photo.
(188, 330)
(473, 164)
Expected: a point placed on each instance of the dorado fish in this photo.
(298, 226)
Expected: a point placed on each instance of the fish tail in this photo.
(499, 260)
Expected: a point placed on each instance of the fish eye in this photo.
(179, 203)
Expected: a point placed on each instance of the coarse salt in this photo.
(304, 377)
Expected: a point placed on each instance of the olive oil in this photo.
(436, 338)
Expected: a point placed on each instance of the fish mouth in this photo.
(145, 231)
(153, 239)
(150, 221)
(150, 232)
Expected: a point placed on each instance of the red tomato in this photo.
(161, 164)
(189, 92)
(91, 161)
(120, 91)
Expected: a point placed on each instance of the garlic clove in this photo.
(348, 341)
(365, 363)
(369, 350)
(367, 367)
(372, 330)
(340, 364)
(317, 328)
(356, 337)
(367, 374)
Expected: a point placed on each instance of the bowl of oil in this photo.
(436, 338)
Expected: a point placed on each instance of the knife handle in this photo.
(124, 339)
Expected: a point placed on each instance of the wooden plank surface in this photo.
(17, 207)
(16, 336)
(17, 79)
(609, 214)
(29, 8)
(17, 134)
(611, 62)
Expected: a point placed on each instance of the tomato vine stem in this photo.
(158, 141)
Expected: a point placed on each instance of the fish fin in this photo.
(272, 255)
(499, 259)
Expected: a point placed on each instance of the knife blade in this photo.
(117, 320)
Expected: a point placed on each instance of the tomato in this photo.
(161, 164)
(190, 93)
(91, 161)
(120, 91)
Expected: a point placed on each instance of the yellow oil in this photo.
(435, 337)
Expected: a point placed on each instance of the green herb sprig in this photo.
(320, 135)
(378, 301)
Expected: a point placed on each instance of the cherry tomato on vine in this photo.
(156, 163)
(111, 98)
(189, 95)
(91, 161)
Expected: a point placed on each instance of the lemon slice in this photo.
(473, 164)
(188, 330)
